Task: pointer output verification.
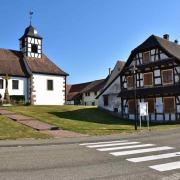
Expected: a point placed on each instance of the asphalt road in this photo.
(72, 159)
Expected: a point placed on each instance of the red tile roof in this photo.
(76, 90)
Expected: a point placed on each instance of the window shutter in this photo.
(146, 57)
(131, 106)
(151, 104)
(130, 82)
(169, 105)
(167, 76)
(148, 79)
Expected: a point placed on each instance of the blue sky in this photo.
(86, 37)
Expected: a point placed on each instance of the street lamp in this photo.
(134, 69)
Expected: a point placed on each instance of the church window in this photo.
(148, 79)
(1, 83)
(15, 84)
(50, 85)
(167, 76)
(146, 57)
(34, 48)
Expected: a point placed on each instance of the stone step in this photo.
(5, 112)
(38, 125)
(18, 117)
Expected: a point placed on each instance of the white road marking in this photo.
(138, 151)
(112, 144)
(102, 142)
(167, 166)
(125, 147)
(154, 157)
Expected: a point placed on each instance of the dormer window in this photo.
(34, 48)
(146, 58)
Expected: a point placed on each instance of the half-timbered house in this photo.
(152, 74)
(107, 98)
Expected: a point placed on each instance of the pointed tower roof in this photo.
(30, 31)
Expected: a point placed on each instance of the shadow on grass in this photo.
(93, 115)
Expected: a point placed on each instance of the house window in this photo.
(1, 83)
(50, 85)
(130, 82)
(87, 93)
(151, 104)
(146, 57)
(167, 76)
(131, 106)
(93, 103)
(15, 84)
(148, 79)
(169, 105)
(106, 100)
(95, 93)
(34, 48)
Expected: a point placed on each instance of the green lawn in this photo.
(13, 130)
(88, 120)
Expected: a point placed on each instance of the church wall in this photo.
(42, 96)
(22, 89)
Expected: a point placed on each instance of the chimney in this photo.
(166, 36)
(109, 71)
(176, 41)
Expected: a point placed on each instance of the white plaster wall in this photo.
(90, 99)
(47, 97)
(22, 87)
(112, 91)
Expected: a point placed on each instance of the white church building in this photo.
(31, 73)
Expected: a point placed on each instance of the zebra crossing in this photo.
(126, 148)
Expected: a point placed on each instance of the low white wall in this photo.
(48, 97)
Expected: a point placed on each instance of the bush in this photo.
(17, 99)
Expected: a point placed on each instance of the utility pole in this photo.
(135, 102)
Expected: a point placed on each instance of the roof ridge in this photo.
(10, 49)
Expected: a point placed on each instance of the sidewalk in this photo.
(81, 139)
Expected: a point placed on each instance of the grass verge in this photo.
(87, 120)
(13, 130)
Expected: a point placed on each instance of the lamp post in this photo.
(134, 82)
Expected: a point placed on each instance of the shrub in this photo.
(17, 99)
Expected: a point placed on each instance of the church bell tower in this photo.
(31, 42)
